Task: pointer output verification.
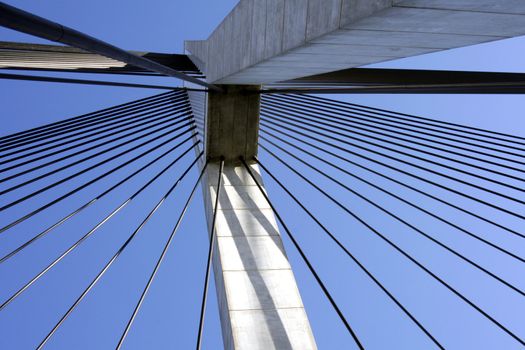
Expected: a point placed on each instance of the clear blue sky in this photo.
(169, 317)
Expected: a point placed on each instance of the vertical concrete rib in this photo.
(260, 305)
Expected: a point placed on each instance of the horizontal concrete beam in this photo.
(266, 41)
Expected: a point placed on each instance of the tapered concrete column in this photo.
(259, 302)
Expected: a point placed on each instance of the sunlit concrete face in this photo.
(260, 305)
(266, 41)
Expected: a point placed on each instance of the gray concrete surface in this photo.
(232, 123)
(259, 302)
(265, 41)
(260, 306)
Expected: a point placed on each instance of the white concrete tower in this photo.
(268, 41)
(259, 303)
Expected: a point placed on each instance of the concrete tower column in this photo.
(271, 41)
(259, 303)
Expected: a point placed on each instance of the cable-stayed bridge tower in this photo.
(253, 86)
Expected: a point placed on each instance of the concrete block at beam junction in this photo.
(260, 305)
(232, 122)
